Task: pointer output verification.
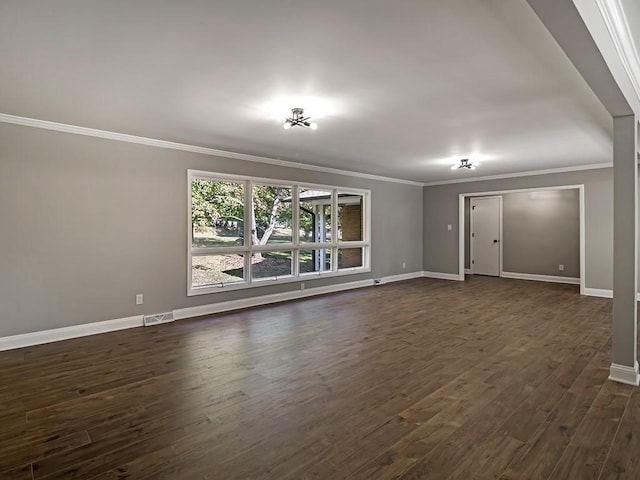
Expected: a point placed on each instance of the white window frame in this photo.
(294, 247)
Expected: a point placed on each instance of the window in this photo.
(247, 232)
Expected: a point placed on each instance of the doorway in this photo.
(464, 226)
(486, 235)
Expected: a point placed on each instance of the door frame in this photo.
(461, 232)
(499, 197)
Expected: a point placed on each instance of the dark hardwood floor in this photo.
(423, 379)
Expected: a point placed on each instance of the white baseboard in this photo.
(65, 333)
(400, 277)
(541, 278)
(598, 292)
(182, 313)
(75, 331)
(468, 271)
(442, 276)
(624, 374)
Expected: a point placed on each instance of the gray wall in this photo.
(541, 230)
(441, 208)
(87, 223)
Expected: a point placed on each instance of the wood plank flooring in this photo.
(425, 379)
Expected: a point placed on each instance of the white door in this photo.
(485, 235)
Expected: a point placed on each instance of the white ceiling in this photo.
(409, 85)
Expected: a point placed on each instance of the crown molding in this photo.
(548, 171)
(123, 137)
(616, 22)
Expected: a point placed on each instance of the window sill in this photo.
(207, 290)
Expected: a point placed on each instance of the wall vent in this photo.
(157, 318)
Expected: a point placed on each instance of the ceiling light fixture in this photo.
(299, 120)
(465, 163)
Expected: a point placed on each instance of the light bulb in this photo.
(313, 126)
(287, 125)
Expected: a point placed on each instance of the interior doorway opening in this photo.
(553, 255)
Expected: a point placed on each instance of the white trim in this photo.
(122, 137)
(461, 239)
(616, 22)
(400, 277)
(189, 228)
(65, 333)
(75, 331)
(541, 278)
(272, 182)
(624, 374)
(581, 202)
(500, 238)
(471, 242)
(182, 313)
(604, 293)
(152, 142)
(520, 190)
(265, 282)
(583, 238)
(531, 173)
(442, 276)
(467, 271)
(598, 292)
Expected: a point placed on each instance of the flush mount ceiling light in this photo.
(279, 107)
(465, 163)
(298, 119)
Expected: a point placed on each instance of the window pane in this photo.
(350, 213)
(316, 260)
(349, 257)
(315, 215)
(217, 213)
(273, 215)
(216, 269)
(270, 264)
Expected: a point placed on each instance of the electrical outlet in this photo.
(139, 299)
(449, 227)
(404, 264)
(302, 286)
(561, 267)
